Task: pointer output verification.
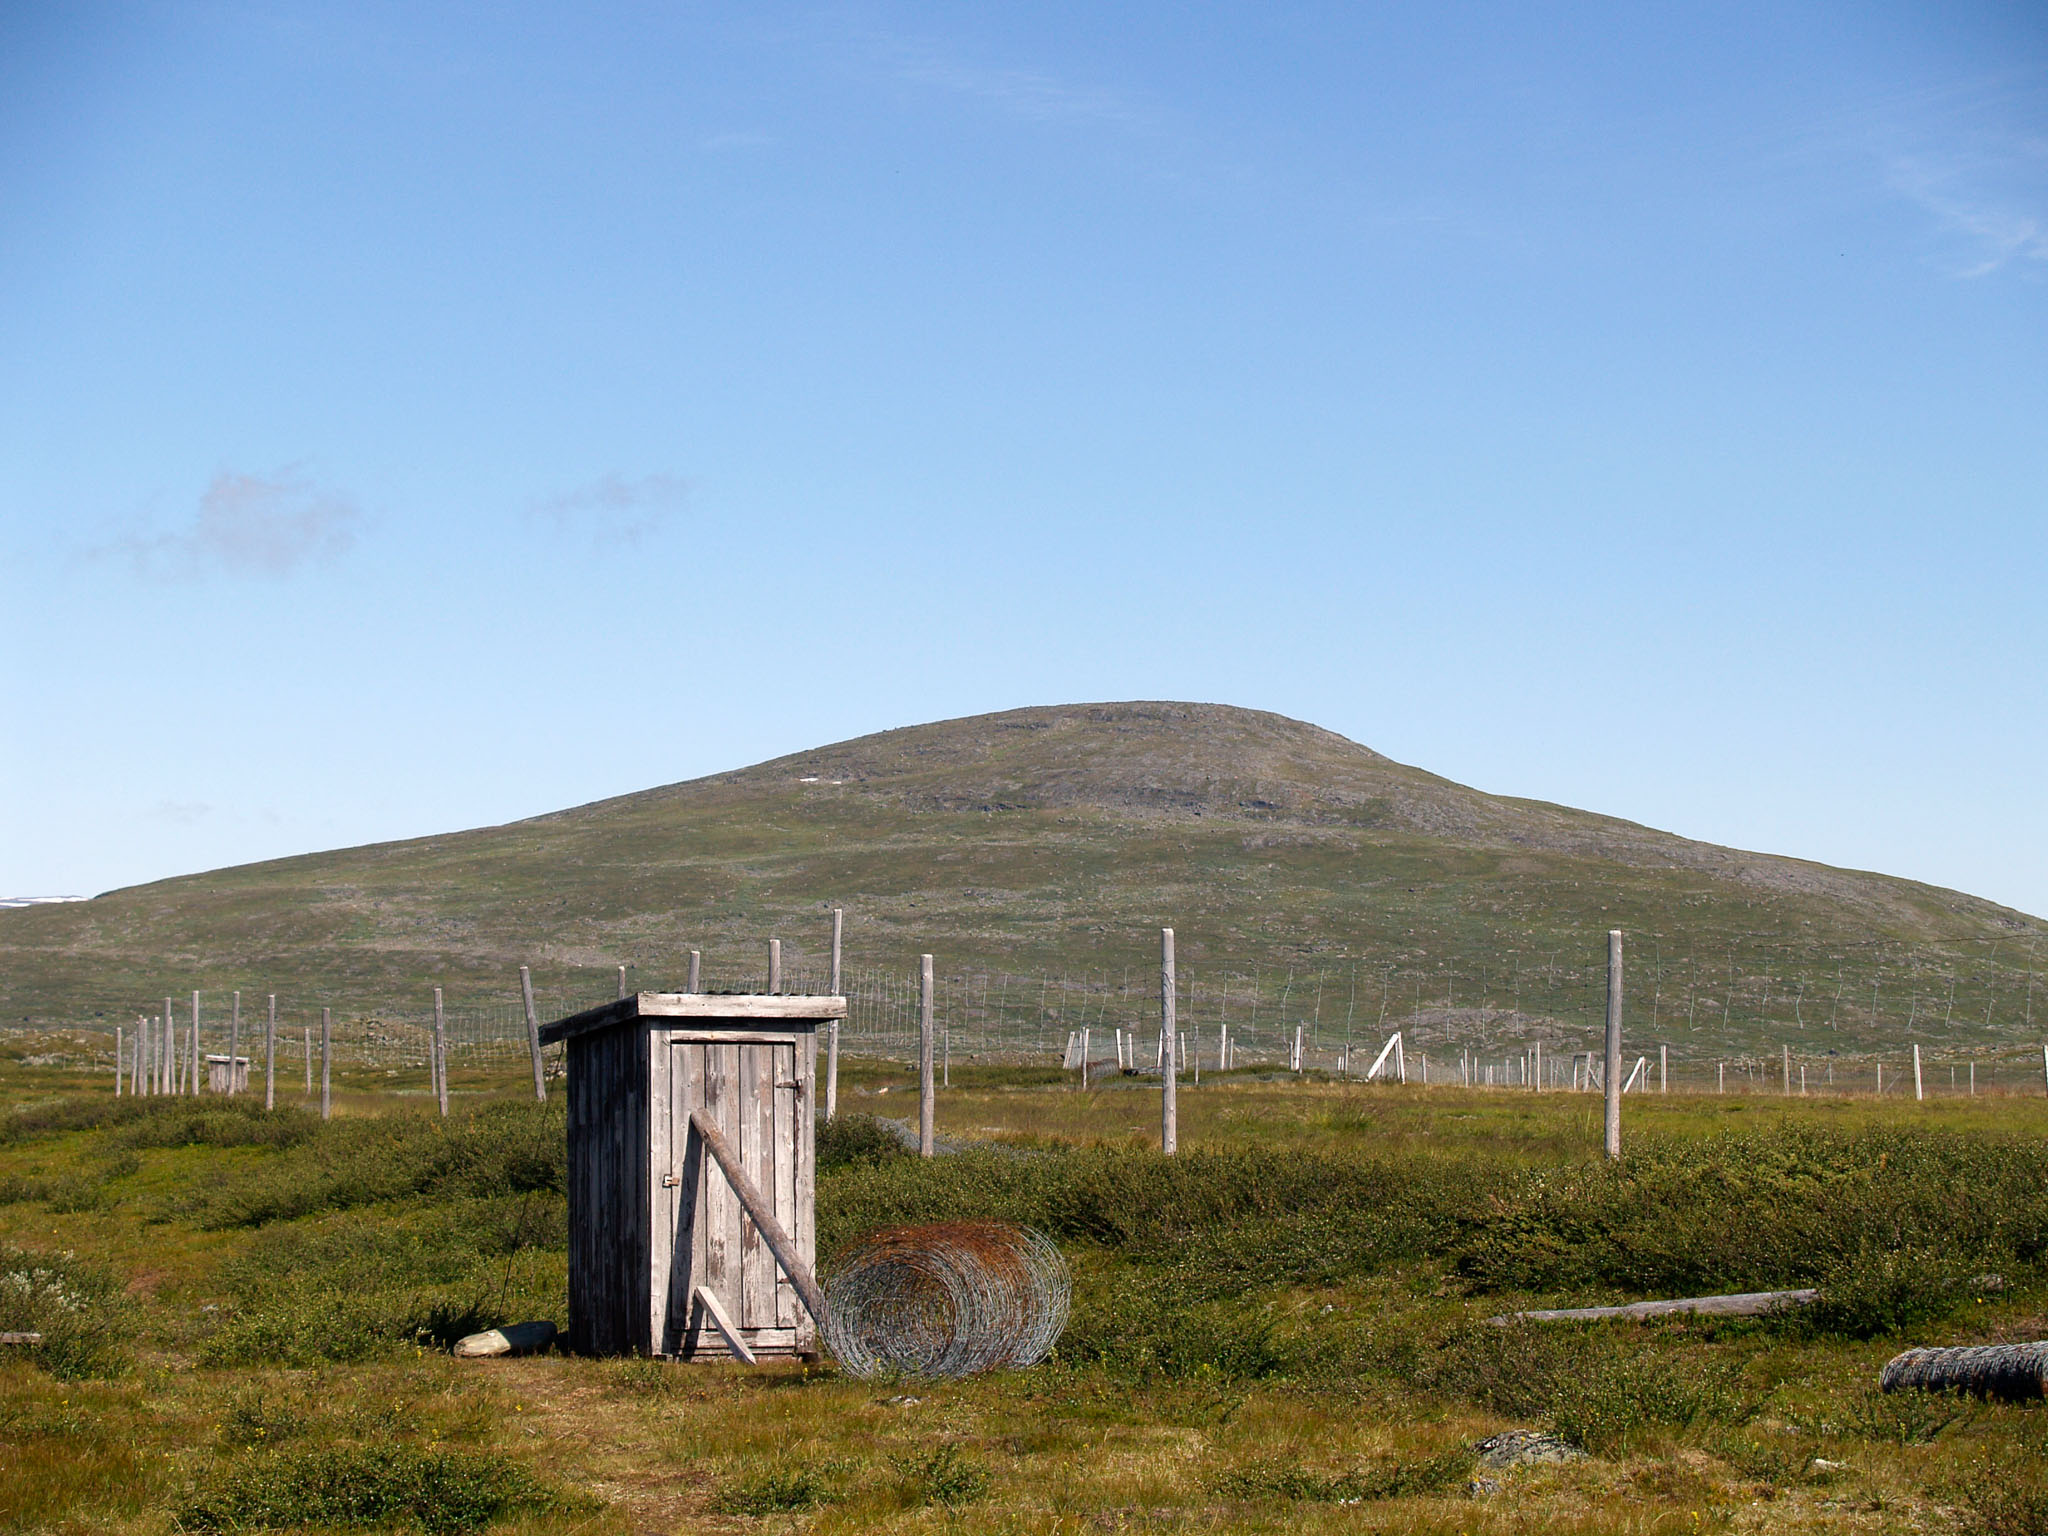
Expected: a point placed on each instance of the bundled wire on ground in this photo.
(951, 1299)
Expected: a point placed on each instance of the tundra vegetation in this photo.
(245, 1318)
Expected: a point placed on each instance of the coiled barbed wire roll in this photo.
(951, 1299)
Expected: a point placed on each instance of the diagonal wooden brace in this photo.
(758, 1212)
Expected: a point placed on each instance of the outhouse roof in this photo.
(703, 1009)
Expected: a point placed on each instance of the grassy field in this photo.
(1284, 1329)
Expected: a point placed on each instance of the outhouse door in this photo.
(757, 1092)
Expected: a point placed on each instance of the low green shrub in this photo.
(2004, 1496)
(774, 1490)
(436, 1492)
(1597, 1387)
(848, 1141)
(72, 1304)
(1273, 1480)
(940, 1476)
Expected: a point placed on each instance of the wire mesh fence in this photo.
(1524, 1021)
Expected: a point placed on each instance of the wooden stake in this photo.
(120, 1044)
(1918, 1091)
(193, 1080)
(1169, 1029)
(540, 1085)
(1663, 1069)
(1611, 1068)
(167, 1053)
(234, 1039)
(440, 1054)
(270, 1056)
(774, 966)
(326, 1063)
(309, 1061)
(1536, 1079)
(696, 981)
(621, 993)
(1084, 1056)
(924, 1056)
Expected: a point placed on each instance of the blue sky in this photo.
(420, 417)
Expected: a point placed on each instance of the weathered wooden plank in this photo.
(687, 1005)
(757, 1156)
(784, 1091)
(772, 1232)
(805, 1227)
(727, 1328)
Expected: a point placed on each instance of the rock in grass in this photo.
(2009, 1372)
(1521, 1447)
(517, 1339)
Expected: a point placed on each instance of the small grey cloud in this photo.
(613, 510)
(182, 813)
(245, 525)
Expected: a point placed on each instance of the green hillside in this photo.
(1056, 841)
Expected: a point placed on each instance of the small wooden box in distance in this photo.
(219, 1077)
(650, 1217)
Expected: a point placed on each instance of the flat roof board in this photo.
(704, 1008)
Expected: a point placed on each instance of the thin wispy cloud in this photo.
(613, 510)
(1019, 92)
(1991, 231)
(244, 525)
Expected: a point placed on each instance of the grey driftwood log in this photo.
(1738, 1304)
(1742, 1304)
(513, 1339)
(2010, 1372)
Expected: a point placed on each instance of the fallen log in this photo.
(1739, 1304)
(1742, 1304)
(2008, 1372)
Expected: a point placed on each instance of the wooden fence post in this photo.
(1169, 1092)
(1084, 1055)
(1663, 1069)
(234, 1038)
(309, 1061)
(270, 1056)
(440, 1054)
(1611, 1068)
(326, 1063)
(1535, 1078)
(167, 1053)
(540, 1084)
(832, 1029)
(696, 981)
(120, 1044)
(1918, 1091)
(194, 1052)
(924, 1056)
(621, 993)
(774, 966)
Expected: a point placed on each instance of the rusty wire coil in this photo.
(951, 1299)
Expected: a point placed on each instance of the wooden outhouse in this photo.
(692, 1174)
(224, 1076)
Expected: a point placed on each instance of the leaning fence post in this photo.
(440, 1054)
(832, 1029)
(326, 1063)
(924, 1056)
(1169, 1091)
(1917, 1090)
(1611, 1068)
(540, 1085)
(270, 1056)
